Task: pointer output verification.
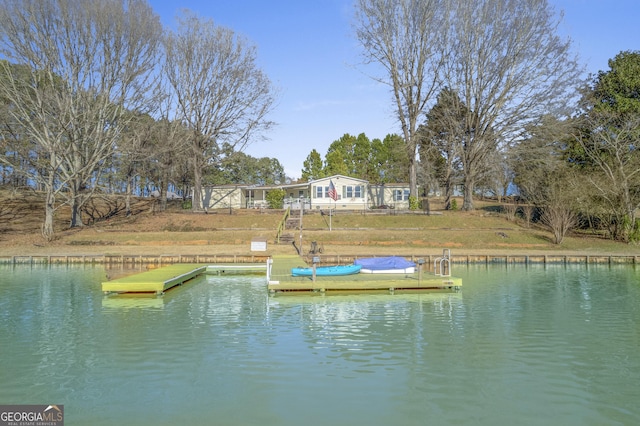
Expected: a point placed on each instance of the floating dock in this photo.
(162, 279)
(280, 280)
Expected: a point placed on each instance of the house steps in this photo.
(293, 222)
(286, 238)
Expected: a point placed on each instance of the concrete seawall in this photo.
(132, 260)
(469, 259)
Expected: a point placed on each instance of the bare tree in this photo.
(136, 148)
(15, 148)
(611, 146)
(405, 37)
(560, 219)
(546, 179)
(222, 96)
(497, 176)
(90, 62)
(527, 213)
(549, 184)
(171, 152)
(509, 67)
(559, 202)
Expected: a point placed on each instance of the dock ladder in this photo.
(442, 265)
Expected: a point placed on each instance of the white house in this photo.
(334, 192)
(389, 195)
(338, 192)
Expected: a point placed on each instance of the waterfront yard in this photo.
(178, 231)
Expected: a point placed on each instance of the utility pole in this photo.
(301, 213)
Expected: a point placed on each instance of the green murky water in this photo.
(519, 345)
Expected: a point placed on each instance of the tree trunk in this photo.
(631, 228)
(164, 188)
(49, 209)
(76, 213)
(127, 197)
(467, 204)
(196, 199)
(413, 176)
(76, 203)
(448, 194)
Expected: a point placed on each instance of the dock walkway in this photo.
(162, 279)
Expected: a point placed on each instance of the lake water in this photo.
(521, 345)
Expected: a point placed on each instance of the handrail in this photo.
(282, 225)
(442, 265)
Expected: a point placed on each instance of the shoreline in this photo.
(460, 258)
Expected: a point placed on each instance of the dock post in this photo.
(269, 263)
(315, 260)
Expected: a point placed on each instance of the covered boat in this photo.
(385, 265)
(326, 271)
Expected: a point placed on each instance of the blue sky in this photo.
(307, 49)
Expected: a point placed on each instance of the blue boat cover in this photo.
(384, 263)
(326, 271)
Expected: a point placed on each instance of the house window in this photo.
(352, 191)
(400, 195)
(319, 191)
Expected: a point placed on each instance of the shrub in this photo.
(510, 211)
(414, 204)
(275, 198)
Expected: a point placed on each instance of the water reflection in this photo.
(353, 335)
(135, 301)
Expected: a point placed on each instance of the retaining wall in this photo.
(133, 260)
(325, 259)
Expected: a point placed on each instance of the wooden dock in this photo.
(280, 280)
(154, 280)
(162, 279)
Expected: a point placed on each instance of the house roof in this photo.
(337, 178)
(391, 185)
